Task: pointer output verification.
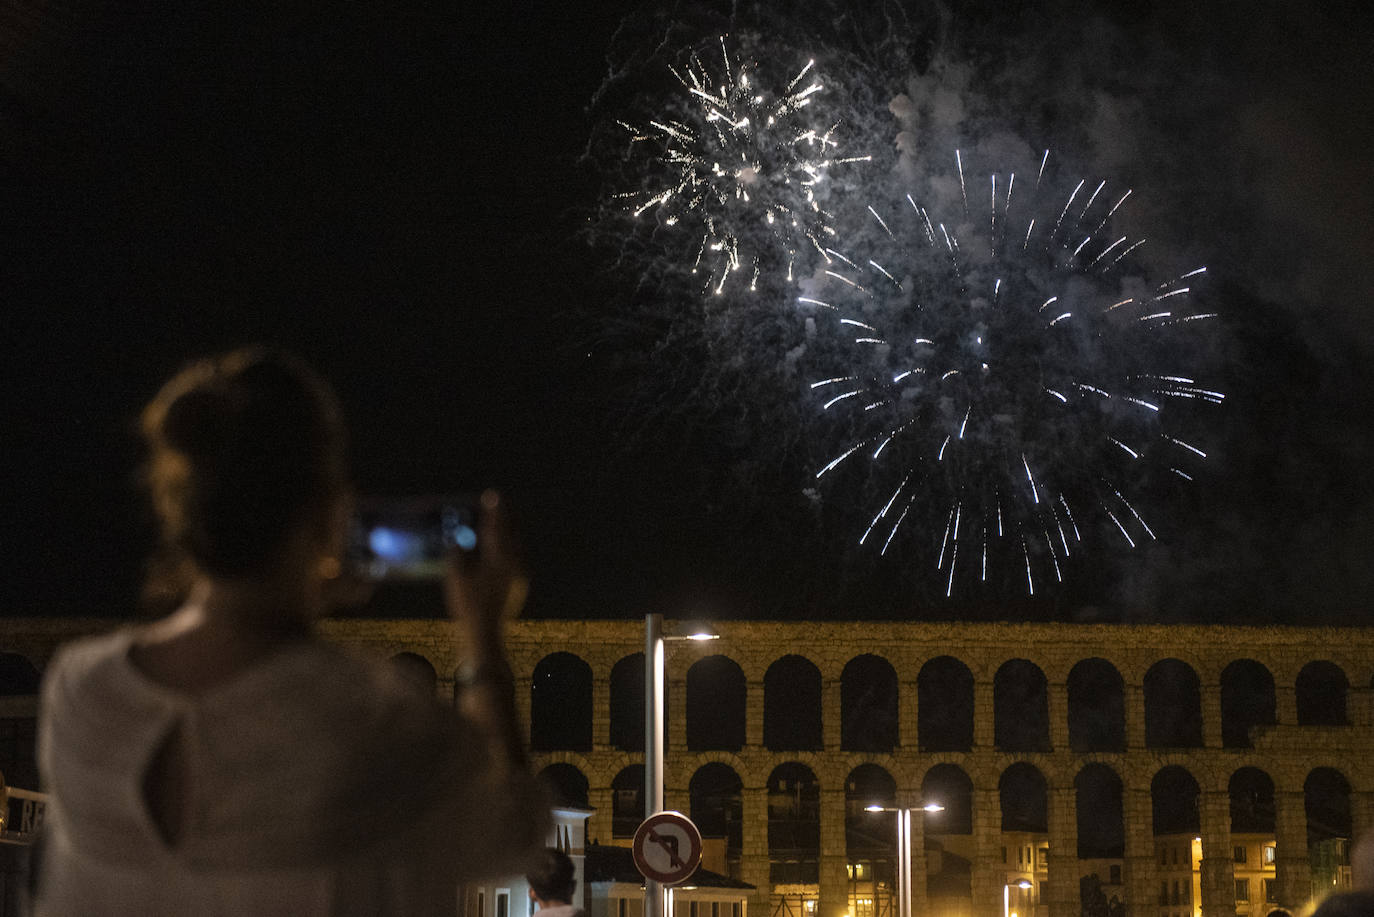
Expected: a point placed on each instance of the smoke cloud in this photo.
(1243, 138)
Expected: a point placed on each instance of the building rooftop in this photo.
(606, 863)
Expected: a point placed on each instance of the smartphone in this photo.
(407, 538)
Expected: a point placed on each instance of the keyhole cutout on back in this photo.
(164, 787)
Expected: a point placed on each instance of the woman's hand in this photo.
(487, 586)
(483, 588)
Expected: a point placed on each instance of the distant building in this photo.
(608, 883)
(21, 806)
(616, 889)
(21, 817)
(1105, 765)
(509, 896)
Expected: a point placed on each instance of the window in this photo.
(1044, 856)
(691, 909)
(18, 736)
(1173, 899)
(1242, 890)
(1164, 892)
(1044, 893)
(622, 907)
(1238, 854)
(1116, 875)
(735, 910)
(1268, 854)
(1174, 855)
(481, 904)
(503, 903)
(715, 909)
(1271, 891)
(1004, 854)
(626, 809)
(1163, 856)
(1019, 860)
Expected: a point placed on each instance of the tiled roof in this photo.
(616, 864)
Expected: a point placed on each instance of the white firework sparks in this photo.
(1019, 380)
(738, 171)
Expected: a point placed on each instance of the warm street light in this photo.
(654, 675)
(692, 630)
(904, 848)
(1006, 894)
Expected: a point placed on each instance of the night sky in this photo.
(408, 195)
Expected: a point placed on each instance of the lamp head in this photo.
(695, 631)
(927, 807)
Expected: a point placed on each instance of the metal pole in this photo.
(653, 742)
(904, 862)
(1006, 901)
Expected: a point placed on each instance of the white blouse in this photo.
(317, 784)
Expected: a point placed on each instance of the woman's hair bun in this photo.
(199, 422)
(242, 448)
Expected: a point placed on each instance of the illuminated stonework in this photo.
(1059, 746)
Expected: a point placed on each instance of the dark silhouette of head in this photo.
(246, 450)
(553, 878)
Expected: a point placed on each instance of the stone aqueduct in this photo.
(1302, 724)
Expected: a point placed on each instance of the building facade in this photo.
(1140, 771)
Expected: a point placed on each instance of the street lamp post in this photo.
(904, 849)
(654, 674)
(653, 742)
(1006, 894)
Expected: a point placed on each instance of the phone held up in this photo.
(409, 538)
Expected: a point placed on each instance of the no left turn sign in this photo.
(667, 847)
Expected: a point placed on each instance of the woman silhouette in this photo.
(223, 760)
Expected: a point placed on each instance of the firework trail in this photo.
(737, 173)
(1012, 381)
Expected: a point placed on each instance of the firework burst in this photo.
(736, 172)
(1013, 380)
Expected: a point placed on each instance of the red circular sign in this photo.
(667, 847)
